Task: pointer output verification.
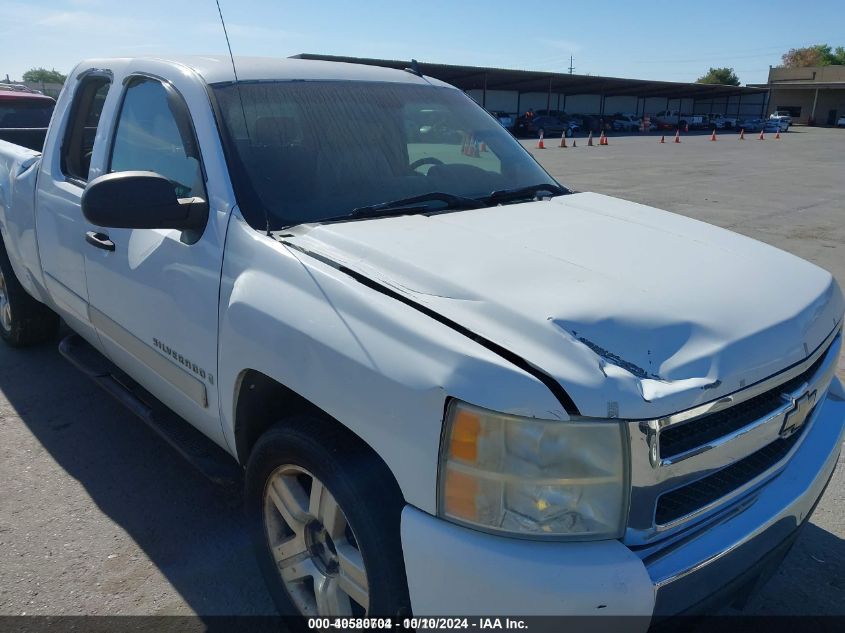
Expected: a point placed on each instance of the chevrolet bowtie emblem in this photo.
(796, 416)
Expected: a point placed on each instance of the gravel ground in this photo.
(97, 516)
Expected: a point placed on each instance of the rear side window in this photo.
(154, 133)
(82, 127)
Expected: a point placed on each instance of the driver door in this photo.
(153, 292)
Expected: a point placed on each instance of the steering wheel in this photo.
(425, 160)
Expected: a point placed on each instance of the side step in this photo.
(203, 454)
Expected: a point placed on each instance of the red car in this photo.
(24, 117)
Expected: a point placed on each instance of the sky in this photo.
(669, 41)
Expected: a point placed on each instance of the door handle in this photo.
(100, 240)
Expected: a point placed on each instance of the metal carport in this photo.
(485, 79)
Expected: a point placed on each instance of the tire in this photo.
(330, 509)
(24, 321)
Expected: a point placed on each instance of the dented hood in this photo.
(636, 312)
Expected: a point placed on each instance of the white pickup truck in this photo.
(451, 385)
(674, 119)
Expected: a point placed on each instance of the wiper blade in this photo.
(414, 204)
(504, 195)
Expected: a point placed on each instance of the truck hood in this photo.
(636, 312)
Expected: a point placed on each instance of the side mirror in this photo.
(141, 200)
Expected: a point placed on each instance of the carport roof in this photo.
(478, 77)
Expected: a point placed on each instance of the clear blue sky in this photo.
(639, 39)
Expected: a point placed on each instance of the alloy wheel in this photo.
(5, 306)
(312, 543)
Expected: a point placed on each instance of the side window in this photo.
(82, 126)
(154, 133)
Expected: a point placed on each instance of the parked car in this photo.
(730, 121)
(24, 116)
(551, 126)
(672, 119)
(841, 122)
(781, 114)
(450, 384)
(777, 124)
(626, 122)
(19, 88)
(750, 125)
(717, 121)
(590, 123)
(505, 119)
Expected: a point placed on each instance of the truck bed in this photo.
(28, 137)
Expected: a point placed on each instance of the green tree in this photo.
(724, 76)
(44, 75)
(818, 55)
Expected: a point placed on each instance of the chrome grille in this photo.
(691, 434)
(692, 465)
(682, 501)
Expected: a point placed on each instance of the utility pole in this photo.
(571, 67)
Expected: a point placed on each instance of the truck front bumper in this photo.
(454, 570)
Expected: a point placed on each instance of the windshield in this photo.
(308, 151)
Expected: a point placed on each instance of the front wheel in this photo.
(324, 514)
(24, 321)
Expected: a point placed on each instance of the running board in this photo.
(203, 454)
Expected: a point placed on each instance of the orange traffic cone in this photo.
(777, 135)
(563, 139)
(482, 147)
(601, 138)
(663, 139)
(590, 139)
(762, 136)
(713, 136)
(605, 140)
(574, 143)
(540, 143)
(677, 136)
(742, 134)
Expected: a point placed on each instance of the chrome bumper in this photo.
(689, 571)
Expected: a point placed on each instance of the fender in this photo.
(380, 367)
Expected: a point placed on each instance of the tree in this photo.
(724, 76)
(42, 75)
(818, 55)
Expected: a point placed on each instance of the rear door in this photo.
(154, 297)
(68, 158)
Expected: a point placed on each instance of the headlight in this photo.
(535, 478)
